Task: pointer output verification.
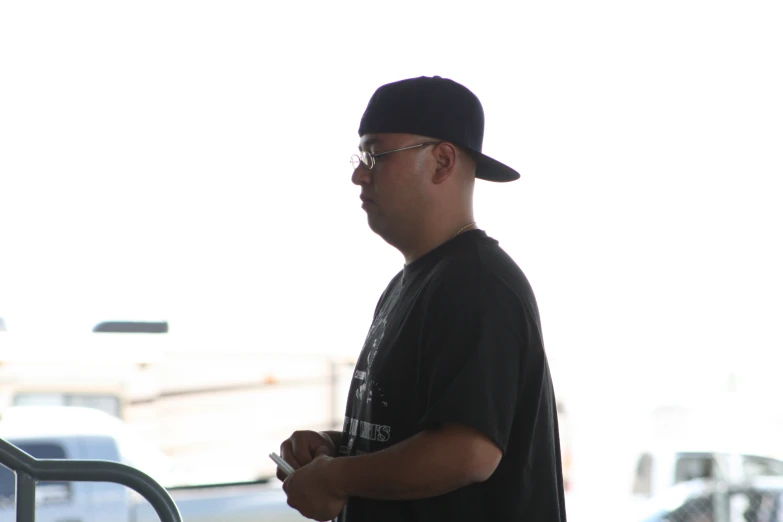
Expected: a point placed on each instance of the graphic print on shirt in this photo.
(368, 393)
(374, 338)
(366, 430)
(372, 344)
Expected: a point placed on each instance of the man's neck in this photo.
(427, 242)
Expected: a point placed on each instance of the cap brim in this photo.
(492, 170)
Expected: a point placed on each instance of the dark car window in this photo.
(691, 467)
(37, 450)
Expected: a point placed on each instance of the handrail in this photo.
(29, 470)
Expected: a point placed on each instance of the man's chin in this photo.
(372, 222)
(376, 224)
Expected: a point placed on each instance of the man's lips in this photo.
(365, 199)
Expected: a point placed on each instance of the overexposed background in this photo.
(188, 161)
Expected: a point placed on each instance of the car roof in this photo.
(23, 422)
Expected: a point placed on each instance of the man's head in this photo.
(438, 108)
(419, 155)
(415, 182)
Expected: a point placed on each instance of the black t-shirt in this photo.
(456, 337)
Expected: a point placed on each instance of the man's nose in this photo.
(361, 175)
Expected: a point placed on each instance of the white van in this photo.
(659, 470)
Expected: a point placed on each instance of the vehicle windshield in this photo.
(8, 477)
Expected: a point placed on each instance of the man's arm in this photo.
(431, 463)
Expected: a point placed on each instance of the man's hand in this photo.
(302, 447)
(312, 489)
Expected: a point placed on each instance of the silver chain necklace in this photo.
(463, 228)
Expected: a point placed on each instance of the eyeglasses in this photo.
(368, 158)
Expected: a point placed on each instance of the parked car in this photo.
(757, 500)
(85, 433)
(659, 470)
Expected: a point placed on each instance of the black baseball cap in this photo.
(437, 108)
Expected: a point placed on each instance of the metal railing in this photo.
(29, 470)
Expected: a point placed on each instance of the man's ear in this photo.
(446, 162)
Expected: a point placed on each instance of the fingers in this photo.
(323, 451)
(288, 453)
(301, 448)
(322, 445)
(282, 475)
(302, 442)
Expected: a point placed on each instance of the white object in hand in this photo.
(285, 466)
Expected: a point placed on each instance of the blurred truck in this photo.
(86, 433)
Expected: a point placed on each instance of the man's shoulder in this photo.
(478, 275)
(482, 262)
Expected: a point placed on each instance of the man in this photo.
(451, 414)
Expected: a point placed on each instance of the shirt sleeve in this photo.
(473, 338)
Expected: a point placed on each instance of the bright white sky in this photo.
(188, 161)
